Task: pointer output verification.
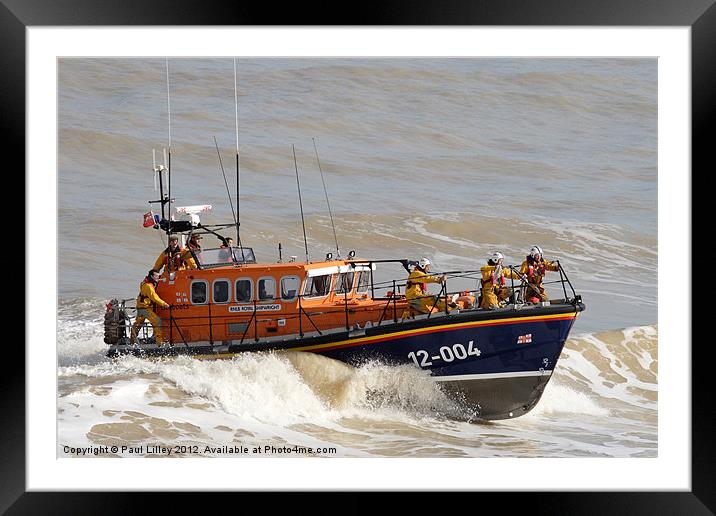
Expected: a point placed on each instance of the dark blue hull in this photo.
(496, 362)
(497, 367)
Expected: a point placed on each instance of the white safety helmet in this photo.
(536, 250)
(497, 256)
(424, 262)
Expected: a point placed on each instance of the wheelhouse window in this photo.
(243, 254)
(317, 286)
(243, 290)
(289, 287)
(363, 282)
(221, 257)
(224, 255)
(199, 292)
(344, 283)
(221, 291)
(267, 289)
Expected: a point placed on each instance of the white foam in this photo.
(83, 409)
(80, 341)
(288, 388)
(560, 399)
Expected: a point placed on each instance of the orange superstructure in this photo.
(252, 301)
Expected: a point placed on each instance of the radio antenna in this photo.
(221, 164)
(325, 191)
(237, 219)
(169, 162)
(300, 203)
(238, 169)
(169, 106)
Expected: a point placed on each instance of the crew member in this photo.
(534, 268)
(225, 249)
(225, 252)
(146, 307)
(416, 289)
(171, 258)
(193, 247)
(494, 291)
(226, 242)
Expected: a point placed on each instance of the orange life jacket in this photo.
(535, 266)
(173, 260)
(500, 280)
(423, 286)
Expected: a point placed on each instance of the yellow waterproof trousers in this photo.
(424, 304)
(492, 299)
(156, 322)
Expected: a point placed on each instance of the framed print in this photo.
(458, 145)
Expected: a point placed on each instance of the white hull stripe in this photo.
(490, 376)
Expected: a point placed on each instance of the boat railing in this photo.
(525, 286)
(251, 320)
(393, 310)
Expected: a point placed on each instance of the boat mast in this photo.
(159, 171)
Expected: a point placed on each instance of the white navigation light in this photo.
(193, 211)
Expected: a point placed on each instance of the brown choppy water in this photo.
(446, 158)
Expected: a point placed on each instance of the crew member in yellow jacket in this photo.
(534, 268)
(171, 258)
(146, 302)
(416, 289)
(194, 245)
(494, 291)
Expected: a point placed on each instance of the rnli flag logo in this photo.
(524, 339)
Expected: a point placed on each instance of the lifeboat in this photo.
(497, 362)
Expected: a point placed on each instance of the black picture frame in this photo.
(699, 15)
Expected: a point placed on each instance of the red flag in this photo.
(148, 219)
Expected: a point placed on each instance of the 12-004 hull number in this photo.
(447, 354)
